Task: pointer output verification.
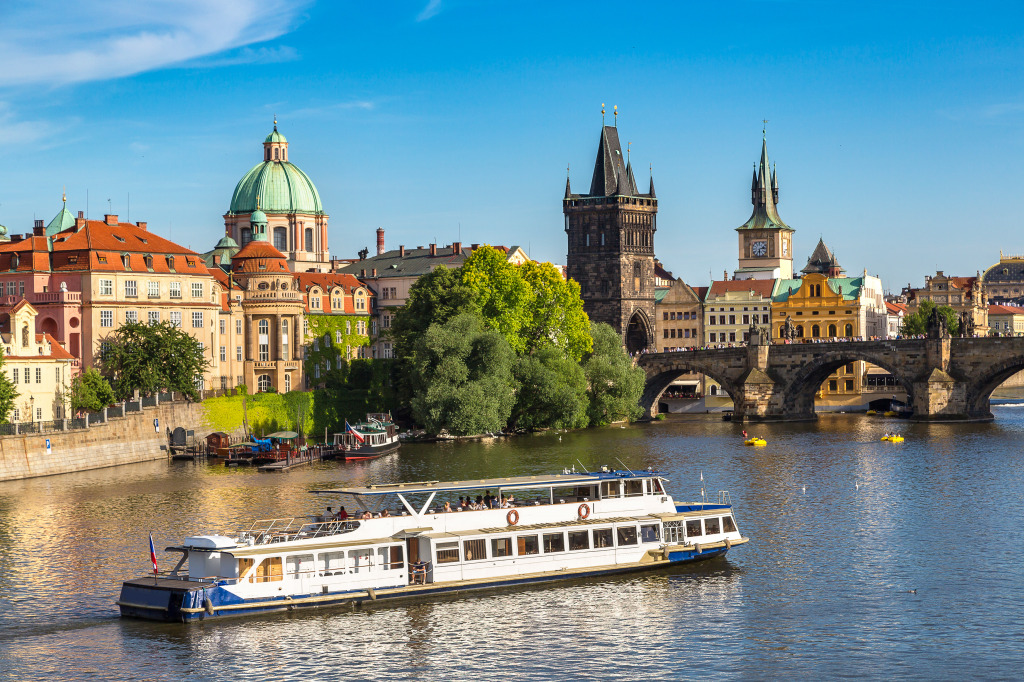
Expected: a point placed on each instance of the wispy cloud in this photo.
(430, 11)
(54, 42)
(248, 55)
(21, 131)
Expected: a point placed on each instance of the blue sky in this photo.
(897, 127)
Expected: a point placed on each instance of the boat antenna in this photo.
(625, 467)
(581, 466)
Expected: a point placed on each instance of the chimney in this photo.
(80, 221)
(401, 250)
(110, 219)
(474, 246)
(142, 225)
(37, 224)
(39, 230)
(380, 240)
(433, 250)
(457, 248)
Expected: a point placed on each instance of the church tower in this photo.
(765, 242)
(611, 245)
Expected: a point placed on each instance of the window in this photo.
(153, 289)
(849, 384)
(14, 375)
(848, 331)
(711, 527)
(609, 489)
(21, 288)
(348, 326)
(131, 288)
(238, 326)
(314, 303)
(223, 326)
(501, 547)
(626, 535)
(106, 318)
(554, 542)
(264, 340)
(263, 383)
(280, 239)
(728, 526)
(39, 414)
(300, 565)
(197, 289)
(693, 528)
(15, 415)
(154, 317)
(176, 318)
(238, 353)
(602, 537)
(578, 539)
(175, 289)
(197, 319)
(309, 239)
(223, 353)
(269, 570)
(634, 488)
(527, 544)
(106, 287)
(649, 533)
(447, 552)
(287, 382)
(131, 316)
(475, 549)
(833, 385)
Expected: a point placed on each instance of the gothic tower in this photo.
(611, 245)
(765, 242)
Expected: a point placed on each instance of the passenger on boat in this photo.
(479, 501)
(367, 515)
(487, 498)
(342, 514)
(464, 502)
(385, 514)
(329, 516)
(447, 507)
(505, 504)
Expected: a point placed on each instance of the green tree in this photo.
(917, 322)
(90, 392)
(614, 382)
(434, 298)
(555, 312)
(464, 377)
(552, 392)
(502, 295)
(8, 392)
(150, 358)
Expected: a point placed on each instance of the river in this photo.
(867, 559)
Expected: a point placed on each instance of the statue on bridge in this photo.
(937, 325)
(967, 324)
(789, 330)
(758, 336)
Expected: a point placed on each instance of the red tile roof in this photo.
(327, 281)
(259, 256)
(895, 308)
(763, 287)
(994, 309)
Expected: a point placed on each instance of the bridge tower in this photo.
(611, 245)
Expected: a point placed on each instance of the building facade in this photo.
(966, 295)
(38, 366)
(610, 234)
(678, 319)
(731, 306)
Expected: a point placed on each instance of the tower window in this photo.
(309, 239)
(275, 154)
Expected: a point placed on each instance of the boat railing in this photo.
(265, 531)
(724, 497)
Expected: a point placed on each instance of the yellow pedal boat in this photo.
(755, 441)
(893, 439)
(871, 412)
(891, 413)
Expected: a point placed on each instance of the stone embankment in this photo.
(136, 437)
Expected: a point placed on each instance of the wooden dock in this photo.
(299, 460)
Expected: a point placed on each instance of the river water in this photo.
(867, 559)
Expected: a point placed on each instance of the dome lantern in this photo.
(275, 146)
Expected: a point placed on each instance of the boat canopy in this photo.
(283, 435)
(509, 483)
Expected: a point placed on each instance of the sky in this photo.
(897, 127)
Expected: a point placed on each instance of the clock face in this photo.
(759, 248)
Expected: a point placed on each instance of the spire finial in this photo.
(615, 113)
(275, 121)
(627, 151)
(764, 128)
(602, 114)
(64, 195)
(566, 171)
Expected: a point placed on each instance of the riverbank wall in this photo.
(136, 437)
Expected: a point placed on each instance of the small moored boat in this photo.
(407, 540)
(375, 437)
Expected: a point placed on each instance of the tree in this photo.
(502, 295)
(614, 382)
(556, 312)
(917, 323)
(434, 298)
(463, 374)
(152, 357)
(552, 392)
(90, 392)
(8, 392)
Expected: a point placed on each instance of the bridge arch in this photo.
(803, 386)
(662, 374)
(639, 333)
(979, 390)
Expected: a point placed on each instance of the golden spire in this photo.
(615, 113)
(275, 121)
(602, 113)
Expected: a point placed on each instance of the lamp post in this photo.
(32, 409)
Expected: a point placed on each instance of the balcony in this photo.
(44, 298)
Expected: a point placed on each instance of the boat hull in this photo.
(185, 601)
(369, 452)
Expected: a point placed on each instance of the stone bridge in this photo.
(945, 378)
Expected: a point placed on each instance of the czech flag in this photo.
(349, 429)
(152, 554)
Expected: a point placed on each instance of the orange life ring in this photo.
(512, 517)
(584, 511)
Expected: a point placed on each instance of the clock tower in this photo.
(765, 242)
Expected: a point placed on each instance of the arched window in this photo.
(24, 336)
(284, 341)
(275, 154)
(799, 331)
(309, 239)
(246, 235)
(848, 332)
(280, 239)
(264, 341)
(815, 331)
(832, 331)
(263, 383)
(287, 382)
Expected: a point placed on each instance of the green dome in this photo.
(258, 216)
(276, 137)
(276, 187)
(226, 242)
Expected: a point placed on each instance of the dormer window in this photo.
(14, 261)
(170, 262)
(149, 261)
(126, 261)
(119, 238)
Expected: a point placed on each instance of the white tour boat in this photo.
(400, 541)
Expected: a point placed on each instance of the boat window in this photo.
(528, 545)
(712, 527)
(332, 563)
(656, 486)
(360, 560)
(602, 537)
(674, 532)
(397, 558)
(728, 526)
(243, 566)
(634, 488)
(693, 528)
(626, 535)
(610, 489)
(269, 570)
(501, 547)
(649, 533)
(579, 539)
(554, 542)
(300, 565)
(447, 552)
(475, 549)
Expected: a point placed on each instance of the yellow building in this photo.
(39, 367)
